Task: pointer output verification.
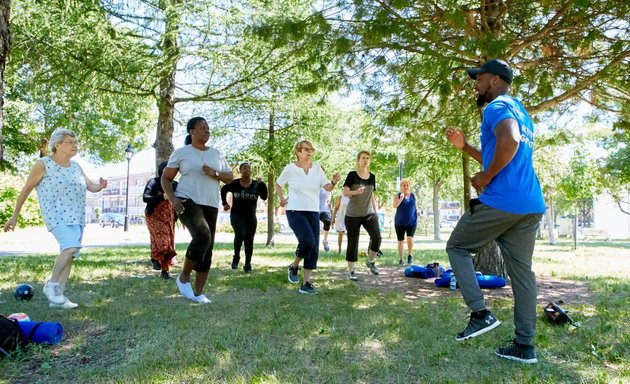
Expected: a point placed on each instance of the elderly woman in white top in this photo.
(60, 184)
(305, 179)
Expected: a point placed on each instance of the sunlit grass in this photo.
(133, 326)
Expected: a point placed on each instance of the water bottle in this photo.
(453, 285)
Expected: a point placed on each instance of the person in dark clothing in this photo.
(160, 219)
(245, 194)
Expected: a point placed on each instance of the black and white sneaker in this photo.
(372, 266)
(308, 289)
(518, 352)
(480, 323)
(352, 276)
(293, 274)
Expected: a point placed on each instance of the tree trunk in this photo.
(488, 260)
(436, 210)
(551, 228)
(166, 98)
(271, 182)
(5, 47)
(466, 172)
(575, 228)
(164, 137)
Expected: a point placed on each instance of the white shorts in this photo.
(340, 220)
(68, 236)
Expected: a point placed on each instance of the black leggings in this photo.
(353, 227)
(201, 221)
(244, 232)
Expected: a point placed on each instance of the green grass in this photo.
(134, 327)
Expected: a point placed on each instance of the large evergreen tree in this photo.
(409, 57)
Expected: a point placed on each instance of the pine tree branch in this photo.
(459, 53)
(579, 87)
(535, 38)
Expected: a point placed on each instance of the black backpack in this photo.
(11, 337)
(556, 314)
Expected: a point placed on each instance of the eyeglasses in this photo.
(307, 149)
(73, 142)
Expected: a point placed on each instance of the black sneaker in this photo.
(409, 259)
(235, 261)
(247, 268)
(518, 352)
(307, 288)
(166, 275)
(400, 262)
(479, 324)
(156, 264)
(352, 276)
(372, 266)
(293, 274)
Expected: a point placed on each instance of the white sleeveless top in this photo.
(61, 194)
(340, 219)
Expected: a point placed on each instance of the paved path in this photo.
(30, 241)
(39, 240)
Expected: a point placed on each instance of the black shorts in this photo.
(401, 231)
(325, 218)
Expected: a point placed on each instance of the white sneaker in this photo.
(201, 299)
(67, 304)
(185, 289)
(52, 291)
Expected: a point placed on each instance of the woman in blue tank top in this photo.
(405, 220)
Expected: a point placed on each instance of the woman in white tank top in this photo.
(339, 215)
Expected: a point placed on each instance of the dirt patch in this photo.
(393, 279)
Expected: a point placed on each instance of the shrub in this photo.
(29, 214)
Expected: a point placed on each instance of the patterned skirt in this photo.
(161, 225)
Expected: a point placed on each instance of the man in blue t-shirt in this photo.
(508, 209)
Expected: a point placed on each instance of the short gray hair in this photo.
(57, 137)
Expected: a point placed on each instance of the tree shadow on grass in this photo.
(258, 328)
(393, 279)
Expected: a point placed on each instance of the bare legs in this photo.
(339, 241)
(409, 247)
(371, 258)
(62, 267)
(200, 277)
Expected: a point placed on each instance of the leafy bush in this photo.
(9, 192)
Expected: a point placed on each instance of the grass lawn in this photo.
(132, 326)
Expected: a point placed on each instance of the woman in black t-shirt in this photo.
(245, 194)
(361, 211)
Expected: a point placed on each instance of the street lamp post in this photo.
(128, 155)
